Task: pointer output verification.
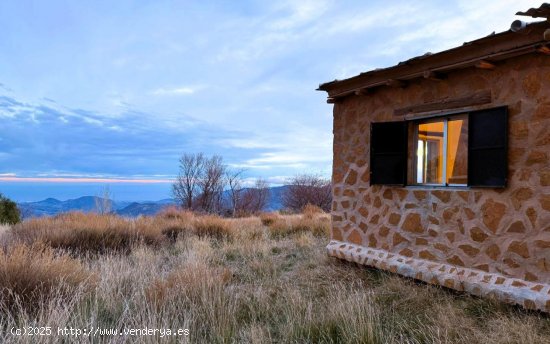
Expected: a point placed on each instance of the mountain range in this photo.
(52, 206)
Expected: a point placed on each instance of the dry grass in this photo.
(241, 281)
(35, 274)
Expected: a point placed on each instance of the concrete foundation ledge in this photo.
(530, 295)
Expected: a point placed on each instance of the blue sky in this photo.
(96, 93)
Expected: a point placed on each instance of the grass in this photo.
(230, 281)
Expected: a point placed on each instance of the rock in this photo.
(519, 248)
(355, 238)
(351, 179)
(478, 235)
(413, 224)
(492, 214)
(394, 219)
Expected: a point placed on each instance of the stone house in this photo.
(441, 167)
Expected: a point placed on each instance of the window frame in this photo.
(476, 174)
(413, 153)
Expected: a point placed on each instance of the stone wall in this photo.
(504, 233)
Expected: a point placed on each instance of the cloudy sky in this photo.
(96, 93)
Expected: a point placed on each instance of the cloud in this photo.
(14, 179)
(177, 91)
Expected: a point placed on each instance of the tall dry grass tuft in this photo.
(175, 213)
(88, 233)
(213, 226)
(269, 218)
(310, 211)
(30, 276)
(295, 224)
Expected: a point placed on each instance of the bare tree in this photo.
(254, 199)
(234, 184)
(186, 186)
(307, 189)
(103, 202)
(200, 182)
(211, 184)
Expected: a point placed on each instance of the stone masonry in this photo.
(485, 241)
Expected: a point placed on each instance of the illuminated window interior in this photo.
(442, 151)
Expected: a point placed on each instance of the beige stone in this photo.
(351, 179)
(365, 177)
(519, 129)
(383, 231)
(388, 194)
(355, 238)
(425, 254)
(516, 227)
(478, 235)
(441, 247)
(336, 234)
(455, 260)
(519, 248)
(349, 193)
(421, 242)
(413, 224)
(469, 250)
(420, 195)
(544, 177)
(542, 243)
(493, 252)
(394, 219)
(520, 195)
(542, 112)
(531, 84)
(450, 236)
(398, 239)
(372, 240)
(444, 196)
(536, 157)
(531, 215)
(363, 211)
(545, 202)
(402, 194)
(374, 220)
(492, 214)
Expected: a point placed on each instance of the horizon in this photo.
(114, 93)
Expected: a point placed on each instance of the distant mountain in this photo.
(136, 209)
(52, 206)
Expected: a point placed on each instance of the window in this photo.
(442, 151)
(455, 150)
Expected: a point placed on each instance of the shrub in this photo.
(9, 213)
(30, 275)
(311, 210)
(282, 227)
(92, 233)
(213, 226)
(268, 218)
(174, 213)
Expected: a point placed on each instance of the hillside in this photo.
(52, 206)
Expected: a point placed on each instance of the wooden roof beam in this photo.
(545, 49)
(484, 64)
(436, 76)
(362, 92)
(396, 83)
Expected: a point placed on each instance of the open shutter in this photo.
(388, 153)
(488, 148)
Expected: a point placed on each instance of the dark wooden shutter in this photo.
(488, 148)
(388, 153)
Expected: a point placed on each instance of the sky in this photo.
(112, 93)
